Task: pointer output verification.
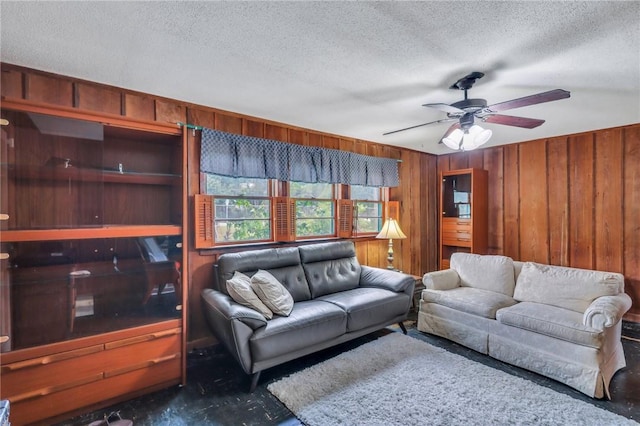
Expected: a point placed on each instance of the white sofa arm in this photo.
(606, 311)
(446, 279)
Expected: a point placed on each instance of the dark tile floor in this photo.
(216, 390)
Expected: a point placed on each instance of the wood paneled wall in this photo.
(571, 200)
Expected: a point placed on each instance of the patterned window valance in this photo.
(245, 156)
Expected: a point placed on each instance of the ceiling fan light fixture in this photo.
(476, 137)
(453, 139)
(473, 138)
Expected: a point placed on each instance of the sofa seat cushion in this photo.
(309, 323)
(368, 306)
(475, 301)
(569, 288)
(486, 272)
(552, 321)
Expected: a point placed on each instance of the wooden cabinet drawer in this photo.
(456, 238)
(47, 386)
(451, 224)
(33, 410)
(22, 380)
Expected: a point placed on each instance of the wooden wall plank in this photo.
(139, 107)
(631, 205)
(228, 123)
(608, 241)
(493, 163)
(476, 159)
(558, 195)
(581, 201)
(278, 133)
(92, 97)
(534, 227)
(346, 145)
(171, 112)
(511, 202)
(330, 142)
(315, 139)
(11, 83)
(48, 89)
(459, 160)
(299, 137)
(253, 128)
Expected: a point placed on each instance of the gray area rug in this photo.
(399, 380)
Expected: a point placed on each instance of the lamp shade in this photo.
(391, 230)
(468, 140)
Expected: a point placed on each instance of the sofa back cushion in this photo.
(486, 272)
(330, 267)
(283, 263)
(569, 288)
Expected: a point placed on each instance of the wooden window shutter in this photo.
(203, 221)
(345, 218)
(392, 210)
(284, 219)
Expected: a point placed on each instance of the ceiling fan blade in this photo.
(445, 108)
(444, 120)
(509, 120)
(448, 132)
(551, 95)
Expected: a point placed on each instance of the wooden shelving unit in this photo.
(463, 213)
(92, 290)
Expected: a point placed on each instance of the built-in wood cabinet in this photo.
(463, 213)
(92, 289)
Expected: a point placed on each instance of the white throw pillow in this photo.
(272, 293)
(486, 272)
(569, 288)
(239, 288)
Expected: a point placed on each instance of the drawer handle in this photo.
(4, 216)
(142, 339)
(52, 389)
(4, 256)
(51, 359)
(464, 239)
(141, 365)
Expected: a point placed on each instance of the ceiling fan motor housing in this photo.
(467, 107)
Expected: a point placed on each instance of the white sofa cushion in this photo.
(569, 288)
(471, 300)
(551, 321)
(493, 273)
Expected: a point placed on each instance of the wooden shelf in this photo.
(93, 175)
(115, 231)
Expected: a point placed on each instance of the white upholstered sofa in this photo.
(563, 323)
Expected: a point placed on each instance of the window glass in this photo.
(245, 187)
(368, 217)
(311, 190)
(242, 208)
(315, 209)
(359, 192)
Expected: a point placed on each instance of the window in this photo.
(314, 209)
(241, 208)
(368, 209)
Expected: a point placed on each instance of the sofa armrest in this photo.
(387, 279)
(225, 308)
(447, 279)
(606, 311)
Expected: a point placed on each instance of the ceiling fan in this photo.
(465, 134)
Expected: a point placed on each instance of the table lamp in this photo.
(391, 230)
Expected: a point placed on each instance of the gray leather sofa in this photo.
(335, 300)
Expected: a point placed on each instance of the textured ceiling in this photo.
(356, 69)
